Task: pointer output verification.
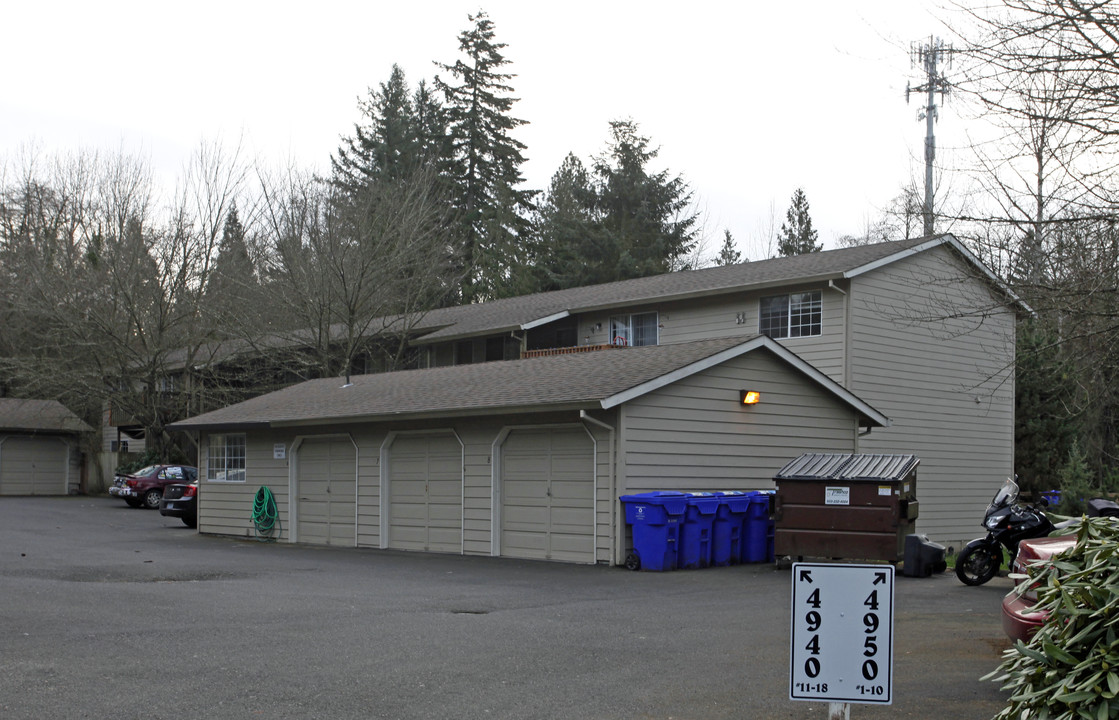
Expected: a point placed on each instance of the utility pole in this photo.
(930, 56)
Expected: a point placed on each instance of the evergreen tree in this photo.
(232, 283)
(386, 144)
(1045, 425)
(728, 254)
(571, 248)
(492, 211)
(797, 237)
(643, 213)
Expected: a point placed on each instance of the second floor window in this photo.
(640, 329)
(792, 315)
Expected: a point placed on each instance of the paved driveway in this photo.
(110, 612)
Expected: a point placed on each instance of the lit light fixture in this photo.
(749, 397)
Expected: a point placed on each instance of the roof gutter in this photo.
(436, 414)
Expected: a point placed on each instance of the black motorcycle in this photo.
(1007, 524)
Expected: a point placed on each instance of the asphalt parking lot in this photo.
(111, 612)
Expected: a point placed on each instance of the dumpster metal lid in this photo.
(848, 466)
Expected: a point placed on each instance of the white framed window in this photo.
(225, 461)
(793, 315)
(637, 330)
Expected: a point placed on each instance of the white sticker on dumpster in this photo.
(842, 633)
(837, 496)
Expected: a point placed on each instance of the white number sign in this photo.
(842, 633)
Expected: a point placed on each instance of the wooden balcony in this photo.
(569, 350)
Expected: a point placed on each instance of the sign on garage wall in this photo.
(842, 633)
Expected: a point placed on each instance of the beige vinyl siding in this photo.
(368, 484)
(695, 435)
(926, 371)
(736, 314)
(226, 508)
(477, 505)
(606, 497)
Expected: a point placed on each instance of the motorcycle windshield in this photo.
(1006, 495)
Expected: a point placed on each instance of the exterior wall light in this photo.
(749, 397)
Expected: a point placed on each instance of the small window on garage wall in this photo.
(225, 459)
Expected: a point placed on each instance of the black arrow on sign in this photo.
(806, 575)
(879, 578)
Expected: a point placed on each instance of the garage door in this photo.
(425, 493)
(33, 466)
(326, 490)
(547, 498)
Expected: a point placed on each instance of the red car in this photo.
(145, 487)
(1019, 618)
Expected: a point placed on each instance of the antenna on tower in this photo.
(930, 57)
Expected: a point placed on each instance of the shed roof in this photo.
(591, 380)
(19, 415)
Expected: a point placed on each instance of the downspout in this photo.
(613, 485)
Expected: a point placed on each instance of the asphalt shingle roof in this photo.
(512, 313)
(38, 416)
(536, 384)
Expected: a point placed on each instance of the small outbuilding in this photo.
(522, 458)
(39, 448)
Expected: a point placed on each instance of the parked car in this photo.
(181, 500)
(118, 483)
(1020, 619)
(144, 488)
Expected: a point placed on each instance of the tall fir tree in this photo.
(386, 144)
(728, 253)
(571, 249)
(493, 211)
(644, 213)
(232, 283)
(797, 237)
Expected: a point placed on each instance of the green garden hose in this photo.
(266, 518)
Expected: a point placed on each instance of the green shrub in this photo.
(151, 457)
(1070, 668)
(1078, 484)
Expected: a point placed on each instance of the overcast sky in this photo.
(746, 100)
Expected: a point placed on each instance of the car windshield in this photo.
(1007, 494)
(147, 472)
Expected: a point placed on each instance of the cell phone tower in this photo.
(931, 57)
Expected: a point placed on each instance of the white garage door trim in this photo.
(65, 484)
(293, 480)
(496, 493)
(385, 517)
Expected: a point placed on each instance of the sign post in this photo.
(842, 635)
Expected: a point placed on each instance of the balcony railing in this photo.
(569, 350)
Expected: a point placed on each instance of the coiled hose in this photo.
(266, 518)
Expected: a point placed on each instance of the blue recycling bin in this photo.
(758, 530)
(696, 531)
(726, 534)
(655, 518)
